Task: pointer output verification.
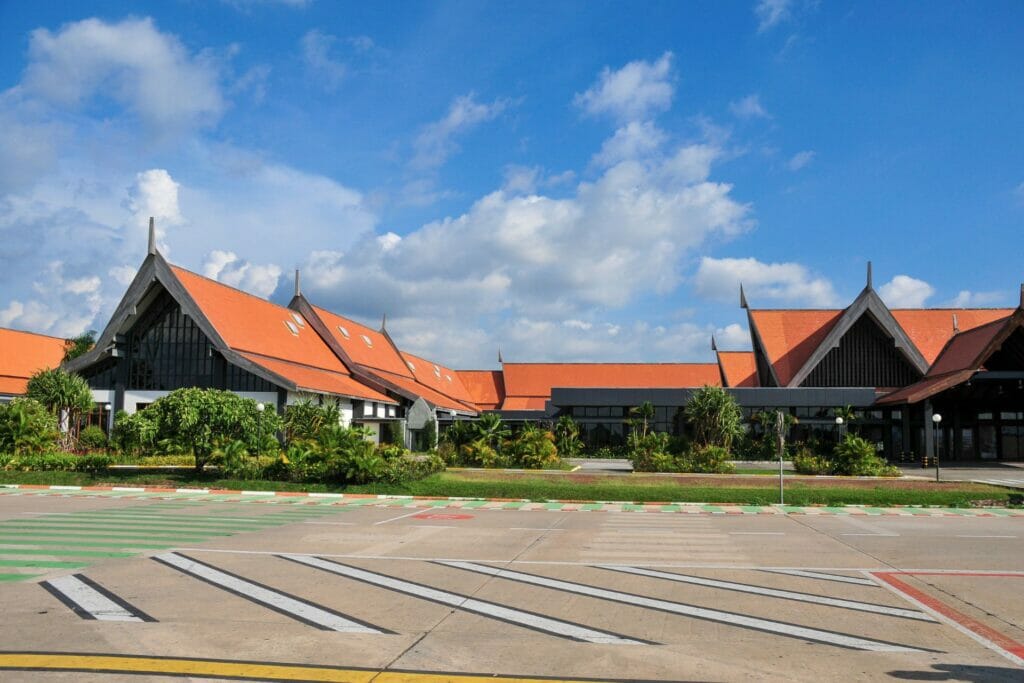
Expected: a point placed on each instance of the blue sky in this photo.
(567, 180)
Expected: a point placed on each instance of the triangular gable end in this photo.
(906, 365)
(766, 375)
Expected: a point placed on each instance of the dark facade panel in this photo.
(752, 396)
(866, 357)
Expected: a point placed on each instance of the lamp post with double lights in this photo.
(936, 421)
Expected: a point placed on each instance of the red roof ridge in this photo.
(607, 363)
(231, 287)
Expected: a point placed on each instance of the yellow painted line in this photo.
(212, 668)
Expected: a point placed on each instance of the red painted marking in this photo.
(995, 637)
(1012, 575)
(440, 515)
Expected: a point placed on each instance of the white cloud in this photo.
(436, 143)
(770, 13)
(720, 279)
(64, 307)
(226, 267)
(631, 93)
(123, 275)
(733, 337)
(317, 47)
(632, 141)
(130, 62)
(749, 107)
(155, 194)
(968, 299)
(800, 159)
(904, 291)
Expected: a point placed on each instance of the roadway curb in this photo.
(549, 505)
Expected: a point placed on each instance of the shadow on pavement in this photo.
(962, 672)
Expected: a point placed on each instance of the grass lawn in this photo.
(537, 486)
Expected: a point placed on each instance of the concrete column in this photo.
(929, 431)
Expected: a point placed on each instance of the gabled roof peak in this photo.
(151, 250)
(869, 284)
(743, 298)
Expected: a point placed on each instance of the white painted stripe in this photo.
(303, 611)
(65, 488)
(774, 592)
(417, 511)
(982, 536)
(258, 493)
(757, 533)
(875, 535)
(91, 601)
(191, 490)
(778, 627)
(822, 575)
(326, 495)
(534, 528)
(463, 602)
(133, 489)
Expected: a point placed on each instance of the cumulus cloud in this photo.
(749, 107)
(720, 279)
(771, 13)
(631, 93)
(65, 306)
(632, 141)
(131, 62)
(436, 142)
(732, 337)
(799, 160)
(904, 291)
(317, 48)
(968, 299)
(155, 194)
(226, 267)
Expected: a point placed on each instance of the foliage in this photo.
(617, 452)
(479, 453)
(707, 460)
(426, 439)
(567, 437)
(534, 448)
(649, 453)
(458, 434)
(806, 462)
(64, 394)
(135, 433)
(491, 430)
(857, 457)
(394, 433)
(304, 420)
(641, 416)
(767, 444)
(79, 346)
(715, 416)
(92, 438)
(26, 426)
(55, 462)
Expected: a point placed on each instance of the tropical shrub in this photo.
(428, 436)
(567, 437)
(92, 438)
(479, 453)
(55, 462)
(650, 453)
(135, 433)
(394, 433)
(458, 434)
(26, 426)
(533, 448)
(641, 416)
(706, 460)
(304, 420)
(806, 462)
(857, 457)
(80, 345)
(64, 394)
(491, 430)
(715, 417)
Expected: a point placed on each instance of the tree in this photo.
(715, 417)
(304, 420)
(26, 426)
(567, 437)
(774, 433)
(67, 396)
(80, 345)
(428, 437)
(492, 430)
(641, 416)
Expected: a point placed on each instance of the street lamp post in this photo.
(839, 428)
(110, 418)
(259, 427)
(936, 421)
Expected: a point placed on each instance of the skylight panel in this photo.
(411, 366)
(344, 332)
(292, 327)
(298, 320)
(367, 340)
(448, 377)
(437, 372)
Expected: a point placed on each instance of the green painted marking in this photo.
(147, 522)
(712, 508)
(181, 538)
(793, 509)
(514, 505)
(49, 564)
(876, 511)
(84, 544)
(595, 507)
(194, 519)
(16, 577)
(473, 504)
(554, 506)
(63, 552)
(106, 530)
(438, 503)
(632, 507)
(754, 509)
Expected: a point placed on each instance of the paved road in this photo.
(300, 589)
(1008, 475)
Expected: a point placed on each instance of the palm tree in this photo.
(64, 394)
(567, 437)
(492, 430)
(642, 415)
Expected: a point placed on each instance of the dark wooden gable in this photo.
(866, 356)
(1010, 354)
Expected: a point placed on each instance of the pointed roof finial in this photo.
(298, 283)
(500, 359)
(384, 322)
(714, 346)
(1021, 305)
(743, 298)
(869, 285)
(956, 325)
(152, 236)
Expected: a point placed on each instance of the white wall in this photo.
(374, 428)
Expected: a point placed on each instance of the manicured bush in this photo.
(55, 462)
(567, 437)
(650, 453)
(706, 460)
(857, 457)
(134, 434)
(533, 448)
(26, 426)
(806, 462)
(92, 438)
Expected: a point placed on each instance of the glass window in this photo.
(615, 411)
(987, 448)
(1008, 416)
(984, 416)
(604, 411)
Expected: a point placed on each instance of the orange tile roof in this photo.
(929, 386)
(962, 352)
(249, 323)
(487, 387)
(428, 394)
(24, 353)
(739, 368)
(379, 354)
(438, 377)
(791, 336)
(525, 403)
(308, 378)
(931, 328)
(537, 379)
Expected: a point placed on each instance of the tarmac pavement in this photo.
(219, 587)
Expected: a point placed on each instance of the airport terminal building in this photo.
(897, 368)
